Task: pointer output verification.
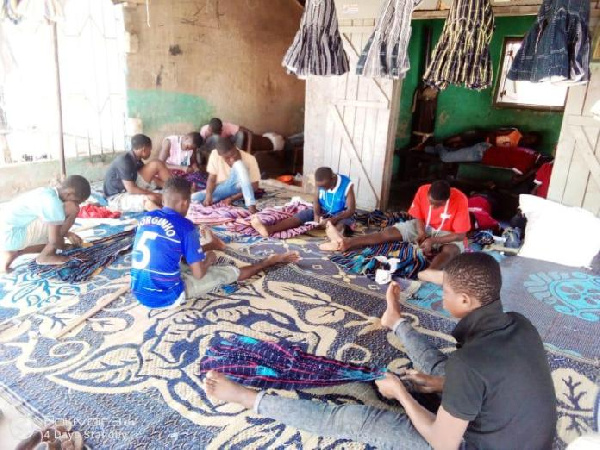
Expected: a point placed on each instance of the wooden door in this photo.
(576, 175)
(350, 123)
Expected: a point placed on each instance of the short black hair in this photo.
(323, 174)
(476, 274)
(439, 190)
(224, 145)
(216, 125)
(80, 185)
(178, 185)
(140, 141)
(196, 137)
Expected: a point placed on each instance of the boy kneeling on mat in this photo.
(165, 236)
(334, 203)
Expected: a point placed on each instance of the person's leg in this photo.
(292, 222)
(446, 254)
(253, 269)
(423, 354)
(242, 177)
(380, 428)
(155, 171)
(339, 243)
(434, 276)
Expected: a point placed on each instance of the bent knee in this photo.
(451, 250)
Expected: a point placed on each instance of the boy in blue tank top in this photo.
(334, 203)
(165, 236)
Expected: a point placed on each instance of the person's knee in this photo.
(451, 250)
(71, 209)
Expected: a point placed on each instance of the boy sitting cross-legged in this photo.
(165, 236)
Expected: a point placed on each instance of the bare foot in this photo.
(252, 209)
(219, 387)
(259, 226)
(6, 259)
(284, 258)
(212, 242)
(392, 312)
(432, 275)
(329, 246)
(334, 234)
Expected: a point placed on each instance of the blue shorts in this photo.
(308, 215)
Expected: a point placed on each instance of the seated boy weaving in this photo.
(496, 388)
(334, 203)
(164, 237)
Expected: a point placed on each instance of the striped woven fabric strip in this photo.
(317, 48)
(196, 178)
(462, 56)
(265, 364)
(85, 262)
(217, 214)
(362, 261)
(270, 216)
(380, 219)
(385, 54)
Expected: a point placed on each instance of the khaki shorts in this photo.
(409, 233)
(215, 277)
(13, 240)
(127, 202)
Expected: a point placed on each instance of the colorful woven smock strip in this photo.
(363, 261)
(86, 261)
(380, 219)
(265, 364)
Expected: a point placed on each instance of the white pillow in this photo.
(560, 234)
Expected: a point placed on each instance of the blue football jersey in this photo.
(162, 238)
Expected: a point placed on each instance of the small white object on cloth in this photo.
(384, 276)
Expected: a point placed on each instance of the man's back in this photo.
(499, 380)
(123, 167)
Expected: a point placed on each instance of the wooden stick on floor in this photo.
(100, 305)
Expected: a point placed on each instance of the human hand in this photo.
(228, 201)
(426, 384)
(421, 237)
(390, 386)
(74, 239)
(427, 246)
(211, 257)
(208, 201)
(189, 169)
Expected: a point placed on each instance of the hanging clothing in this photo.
(265, 364)
(557, 48)
(317, 48)
(385, 54)
(462, 55)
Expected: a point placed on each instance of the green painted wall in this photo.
(461, 109)
(158, 109)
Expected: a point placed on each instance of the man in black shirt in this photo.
(496, 389)
(129, 183)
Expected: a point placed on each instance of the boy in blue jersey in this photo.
(38, 221)
(334, 203)
(165, 236)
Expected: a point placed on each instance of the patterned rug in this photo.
(128, 377)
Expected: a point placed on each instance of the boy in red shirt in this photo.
(441, 222)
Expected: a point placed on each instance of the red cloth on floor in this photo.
(522, 159)
(97, 212)
(480, 207)
(542, 178)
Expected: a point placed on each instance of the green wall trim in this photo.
(460, 109)
(158, 108)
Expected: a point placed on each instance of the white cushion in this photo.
(561, 234)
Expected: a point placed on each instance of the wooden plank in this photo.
(349, 145)
(585, 149)
(391, 145)
(591, 201)
(361, 103)
(499, 11)
(566, 144)
(583, 121)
